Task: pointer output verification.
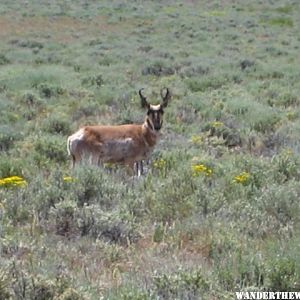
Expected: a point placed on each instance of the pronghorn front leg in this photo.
(139, 168)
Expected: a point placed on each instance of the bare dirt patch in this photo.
(60, 28)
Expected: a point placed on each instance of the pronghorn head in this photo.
(155, 112)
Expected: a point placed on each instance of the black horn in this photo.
(165, 97)
(143, 99)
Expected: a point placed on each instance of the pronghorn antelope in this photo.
(123, 144)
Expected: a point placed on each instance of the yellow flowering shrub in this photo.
(201, 169)
(197, 139)
(159, 164)
(216, 124)
(68, 179)
(13, 181)
(242, 178)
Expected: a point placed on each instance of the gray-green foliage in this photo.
(217, 209)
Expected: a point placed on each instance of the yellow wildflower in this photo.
(14, 178)
(201, 169)
(242, 178)
(68, 179)
(291, 115)
(159, 164)
(216, 124)
(216, 13)
(197, 139)
(288, 152)
(13, 181)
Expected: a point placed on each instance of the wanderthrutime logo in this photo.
(267, 295)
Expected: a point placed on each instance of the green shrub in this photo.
(43, 290)
(158, 68)
(8, 136)
(70, 294)
(128, 293)
(93, 186)
(4, 284)
(51, 148)
(47, 192)
(281, 204)
(86, 109)
(95, 80)
(286, 9)
(286, 166)
(283, 265)
(281, 21)
(63, 215)
(231, 136)
(265, 123)
(17, 207)
(57, 125)
(237, 266)
(289, 100)
(113, 227)
(162, 164)
(4, 60)
(206, 83)
(168, 204)
(28, 285)
(246, 64)
(282, 275)
(50, 90)
(27, 44)
(10, 167)
(222, 242)
(183, 284)
(31, 99)
(106, 60)
(193, 71)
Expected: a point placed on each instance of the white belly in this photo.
(118, 149)
(121, 150)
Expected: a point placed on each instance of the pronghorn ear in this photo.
(165, 97)
(144, 102)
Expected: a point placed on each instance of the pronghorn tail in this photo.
(68, 146)
(70, 152)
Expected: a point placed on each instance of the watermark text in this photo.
(267, 295)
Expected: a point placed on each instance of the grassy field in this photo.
(218, 208)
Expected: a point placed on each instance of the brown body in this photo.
(124, 144)
(112, 144)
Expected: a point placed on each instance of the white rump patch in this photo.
(74, 139)
(78, 135)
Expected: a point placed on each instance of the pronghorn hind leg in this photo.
(73, 161)
(141, 167)
(94, 159)
(136, 168)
